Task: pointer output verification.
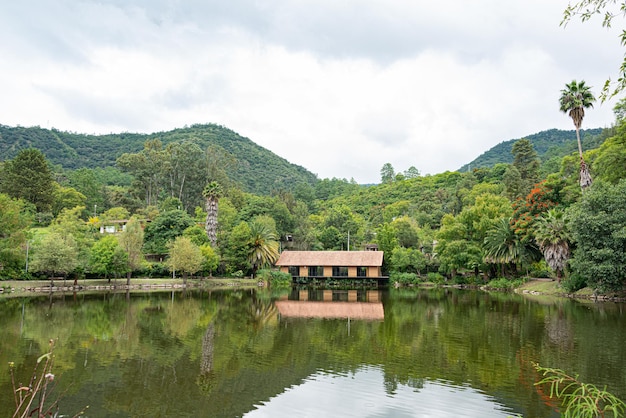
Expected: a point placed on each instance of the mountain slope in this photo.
(257, 169)
(548, 144)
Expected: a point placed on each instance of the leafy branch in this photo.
(580, 399)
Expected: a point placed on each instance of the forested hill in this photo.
(548, 144)
(257, 169)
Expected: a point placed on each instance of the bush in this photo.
(275, 278)
(573, 283)
(404, 278)
(504, 284)
(435, 278)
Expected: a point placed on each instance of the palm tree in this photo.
(502, 246)
(263, 246)
(552, 236)
(212, 193)
(575, 98)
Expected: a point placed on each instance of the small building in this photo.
(332, 264)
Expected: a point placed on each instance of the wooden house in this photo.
(332, 264)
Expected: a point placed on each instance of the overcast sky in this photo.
(340, 87)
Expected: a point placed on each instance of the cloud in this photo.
(340, 88)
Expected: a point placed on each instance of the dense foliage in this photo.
(500, 222)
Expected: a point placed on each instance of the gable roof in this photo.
(331, 258)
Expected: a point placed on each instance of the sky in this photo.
(340, 87)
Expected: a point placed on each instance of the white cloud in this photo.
(338, 87)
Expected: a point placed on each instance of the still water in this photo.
(310, 353)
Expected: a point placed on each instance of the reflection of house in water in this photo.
(353, 304)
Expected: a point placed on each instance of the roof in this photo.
(354, 310)
(331, 258)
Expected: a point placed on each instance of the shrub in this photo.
(275, 278)
(504, 284)
(435, 278)
(404, 278)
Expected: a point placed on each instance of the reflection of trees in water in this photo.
(262, 312)
(558, 330)
(208, 344)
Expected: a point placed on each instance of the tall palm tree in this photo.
(552, 236)
(575, 98)
(263, 246)
(212, 193)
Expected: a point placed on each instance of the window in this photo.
(340, 271)
(294, 271)
(316, 271)
(361, 272)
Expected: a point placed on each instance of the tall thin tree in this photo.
(212, 193)
(575, 98)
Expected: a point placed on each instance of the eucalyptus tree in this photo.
(212, 193)
(552, 236)
(575, 98)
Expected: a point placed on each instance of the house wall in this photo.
(372, 271)
(351, 271)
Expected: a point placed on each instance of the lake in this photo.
(310, 352)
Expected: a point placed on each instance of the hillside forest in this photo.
(202, 201)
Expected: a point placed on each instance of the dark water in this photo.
(254, 353)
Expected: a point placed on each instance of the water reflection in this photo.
(362, 394)
(310, 352)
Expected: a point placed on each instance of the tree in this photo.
(185, 256)
(503, 246)
(131, 240)
(211, 259)
(527, 164)
(552, 236)
(14, 223)
(387, 173)
(263, 246)
(108, 257)
(598, 227)
(212, 193)
(585, 9)
(236, 248)
(165, 228)
(575, 98)
(29, 177)
(55, 254)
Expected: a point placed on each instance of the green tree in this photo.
(108, 257)
(29, 177)
(598, 227)
(236, 249)
(503, 246)
(185, 257)
(131, 240)
(552, 236)
(211, 259)
(387, 173)
(55, 254)
(575, 98)
(263, 246)
(165, 228)
(14, 223)
(527, 164)
(212, 193)
(66, 198)
(149, 168)
(407, 260)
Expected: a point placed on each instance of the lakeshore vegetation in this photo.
(202, 201)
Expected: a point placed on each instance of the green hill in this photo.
(548, 144)
(257, 169)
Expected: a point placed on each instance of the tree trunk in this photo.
(585, 177)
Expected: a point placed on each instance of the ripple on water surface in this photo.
(366, 394)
